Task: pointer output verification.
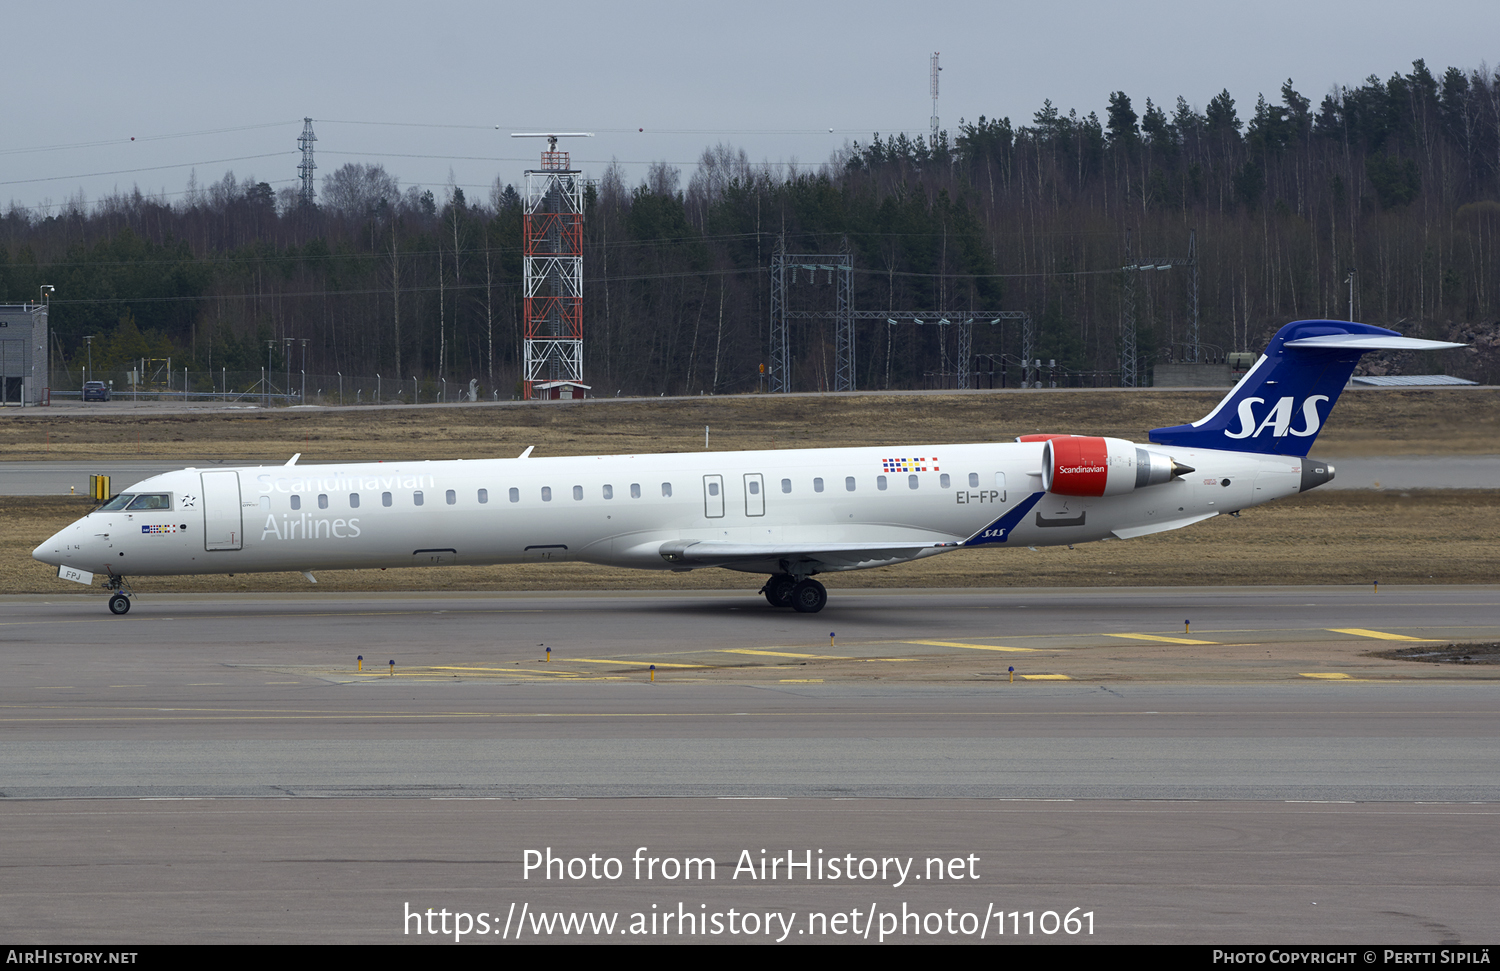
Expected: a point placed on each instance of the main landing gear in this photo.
(806, 596)
(119, 601)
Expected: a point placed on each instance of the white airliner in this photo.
(790, 514)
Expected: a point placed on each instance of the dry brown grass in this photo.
(1317, 538)
(1429, 421)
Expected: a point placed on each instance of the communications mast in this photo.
(552, 245)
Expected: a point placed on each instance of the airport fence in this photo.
(279, 388)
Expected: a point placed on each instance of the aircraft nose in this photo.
(52, 551)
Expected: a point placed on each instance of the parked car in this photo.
(95, 391)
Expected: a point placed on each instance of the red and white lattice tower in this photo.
(553, 251)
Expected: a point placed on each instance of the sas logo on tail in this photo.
(1279, 419)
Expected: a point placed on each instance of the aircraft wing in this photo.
(833, 556)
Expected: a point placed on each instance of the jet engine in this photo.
(1080, 465)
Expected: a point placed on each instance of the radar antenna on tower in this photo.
(552, 248)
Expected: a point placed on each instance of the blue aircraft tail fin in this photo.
(1280, 404)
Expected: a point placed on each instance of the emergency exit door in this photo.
(713, 496)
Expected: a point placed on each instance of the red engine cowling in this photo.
(1080, 465)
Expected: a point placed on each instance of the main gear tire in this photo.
(809, 596)
(778, 590)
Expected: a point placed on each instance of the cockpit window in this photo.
(150, 502)
(118, 502)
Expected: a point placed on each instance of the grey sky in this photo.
(771, 77)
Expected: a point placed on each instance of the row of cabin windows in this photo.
(451, 496)
(945, 481)
(881, 483)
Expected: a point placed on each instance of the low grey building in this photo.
(23, 353)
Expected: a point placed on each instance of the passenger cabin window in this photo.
(912, 482)
(786, 485)
(578, 493)
(416, 498)
(322, 500)
(609, 492)
(944, 481)
(635, 490)
(265, 503)
(385, 498)
(452, 497)
(666, 489)
(849, 483)
(754, 488)
(515, 494)
(817, 485)
(353, 500)
(973, 480)
(880, 482)
(484, 496)
(296, 502)
(713, 488)
(546, 493)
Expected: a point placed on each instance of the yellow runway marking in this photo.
(631, 660)
(1326, 675)
(975, 647)
(746, 650)
(1380, 634)
(1160, 639)
(1046, 677)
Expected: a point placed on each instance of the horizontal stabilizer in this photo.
(1376, 343)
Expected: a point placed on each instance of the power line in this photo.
(141, 138)
(151, 168)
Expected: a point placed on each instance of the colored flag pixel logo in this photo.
(158, 529)
(909, 465)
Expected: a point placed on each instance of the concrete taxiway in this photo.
(1231, 764)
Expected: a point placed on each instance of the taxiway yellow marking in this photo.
(631, 660)
(1046, 677)
(746, 650)
(1160, 639)
(450, 667)
(1380, 634)
(975, 647)
(1326, 675)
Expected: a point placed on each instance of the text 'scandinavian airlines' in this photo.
(789, 514)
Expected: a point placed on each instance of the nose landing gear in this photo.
(119, 601)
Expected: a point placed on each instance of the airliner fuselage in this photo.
(791, 514)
